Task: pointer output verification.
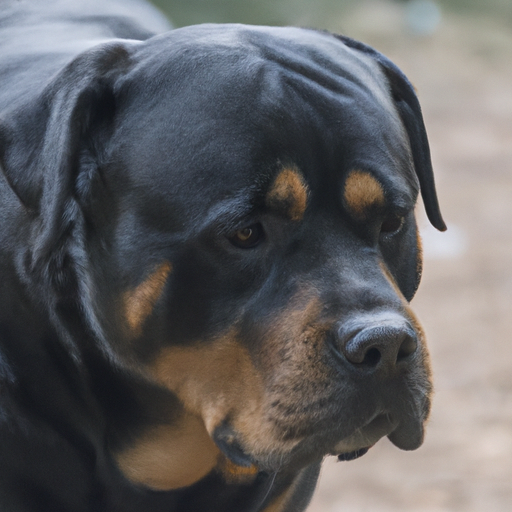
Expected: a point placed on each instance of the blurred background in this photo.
(458, 54)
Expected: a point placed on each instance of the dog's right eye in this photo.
(248, 237)
(391, 225)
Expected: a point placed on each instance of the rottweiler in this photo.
(207, 252)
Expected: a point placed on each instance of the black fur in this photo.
(120, 149)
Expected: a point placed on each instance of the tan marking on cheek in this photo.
(293, 359)
(211, 378)
(218, 381)
(362, 193)
(168, 457)
(139, 303)
(289, 193)
(296, 335)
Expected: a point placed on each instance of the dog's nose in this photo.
(383, 341)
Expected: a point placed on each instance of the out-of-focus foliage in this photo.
(267, 12)
(317, 13)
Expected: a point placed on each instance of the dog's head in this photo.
(232, 211)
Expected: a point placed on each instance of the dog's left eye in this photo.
(391, 225)
(248, 237)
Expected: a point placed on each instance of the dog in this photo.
(207, 252)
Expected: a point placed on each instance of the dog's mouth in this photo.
(357, 444)
(226, 440)
(353, 455)
(349, 448)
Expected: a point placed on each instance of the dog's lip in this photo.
(408, 435)
(353, 455)
(359, 442)
(226, 440)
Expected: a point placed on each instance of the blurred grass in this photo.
(309, 13)
(258, 12)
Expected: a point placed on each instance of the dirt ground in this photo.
(463, 73)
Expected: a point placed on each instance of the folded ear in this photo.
(49, 150)
(408, 108)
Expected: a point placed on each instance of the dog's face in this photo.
(253, 245)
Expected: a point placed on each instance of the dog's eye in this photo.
(391, 225)
(247, 237)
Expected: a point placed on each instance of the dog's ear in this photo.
(48, 146)
(408, 108)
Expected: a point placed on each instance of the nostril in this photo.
(407, 348)
(372, 357)
(362, 350)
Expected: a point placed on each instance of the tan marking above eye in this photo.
(362, 193)
(289, 194)
(139, 302)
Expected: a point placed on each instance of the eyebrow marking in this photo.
(139, 302)
(289, 194)
(362, 192)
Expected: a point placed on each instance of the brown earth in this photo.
(463, 73)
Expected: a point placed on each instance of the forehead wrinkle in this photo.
(226, 214)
